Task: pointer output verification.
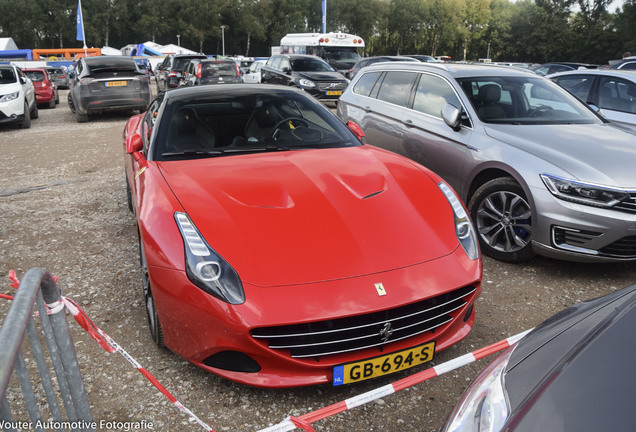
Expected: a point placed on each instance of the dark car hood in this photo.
(575, 372)
(320, 76)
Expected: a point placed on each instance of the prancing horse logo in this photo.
(386, 332)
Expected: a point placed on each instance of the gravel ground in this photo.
(63, 204)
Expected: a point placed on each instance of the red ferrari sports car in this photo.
(279, 250)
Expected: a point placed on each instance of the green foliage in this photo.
(523, 30)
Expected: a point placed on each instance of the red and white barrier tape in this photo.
(304, 421)
(107, 343)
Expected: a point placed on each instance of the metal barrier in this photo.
(38, 288)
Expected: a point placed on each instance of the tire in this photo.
(153, 318)
(81, 118)
(503, 220)
(26, 121)
(34, 113)
(71, 105)
(129, 196)
(52, 103)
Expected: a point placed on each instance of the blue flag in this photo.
(324, 16)
(80, 22)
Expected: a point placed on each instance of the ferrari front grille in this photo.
(322, 338)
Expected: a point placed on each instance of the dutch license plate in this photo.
(116, 83)
(334, 93)
(383, 365)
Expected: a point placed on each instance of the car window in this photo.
(628, 66)
(617, 94)
(310, 65)
(432, 93)
(524, 100)
(215, 69)
(149, 121)
(578, 85)
(227, 124)
(35, 76)
(284, 63)
(275, 62)
(366, 82)
(559, 68)
(7, 76)
(396, 87)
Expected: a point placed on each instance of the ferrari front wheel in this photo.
(151, 310)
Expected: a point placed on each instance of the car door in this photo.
(384, 111)
(270, 70)
(426, 138)
(617, 100)
(27, 87)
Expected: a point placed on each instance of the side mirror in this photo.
(134, 143)
(286, 70)
(357, 130)
(452, 116)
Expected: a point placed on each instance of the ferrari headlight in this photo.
(305, 83)
(484, 407)
(584, 193)
(9, 97)
(463, 226)
(206, 268)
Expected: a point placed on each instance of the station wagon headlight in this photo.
(9, 97)
(463, 226)
(305, 83)
(206, 268)
(484, 406)
(584, 193)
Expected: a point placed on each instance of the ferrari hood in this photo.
(576, 148)
(314, 215)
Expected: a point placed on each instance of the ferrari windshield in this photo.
(242, 120)
(524, 100)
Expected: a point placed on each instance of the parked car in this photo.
(45, 88)
(107, 83)
(628, 63)
(168, 74)
(270, 249)
(611, 90)
(59, 76)
(145, 68)
(368, 61)
(244, 64)
(423, 58)
(541, 172)
(253, 74)
(550, 68)
(309, 73)
(201, 72)
(17, 97)
(572, 373)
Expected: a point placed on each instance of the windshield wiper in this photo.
(193, 153)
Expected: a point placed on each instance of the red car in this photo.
(278, 250)
(45, 88)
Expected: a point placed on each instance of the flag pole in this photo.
(80, 26)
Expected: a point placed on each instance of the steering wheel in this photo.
(539, 109)
(277, 126)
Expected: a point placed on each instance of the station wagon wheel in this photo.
(151, 310)
(26, 122)
(503, 219)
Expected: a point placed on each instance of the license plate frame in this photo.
(382, 365)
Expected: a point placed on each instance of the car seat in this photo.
(189, 132)
(488, 100)
(261, 123)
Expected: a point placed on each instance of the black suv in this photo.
(307, 72)
(168, 73)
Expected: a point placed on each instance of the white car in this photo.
(17, 97)
(613, 91)
(253, 74)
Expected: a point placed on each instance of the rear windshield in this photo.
(35, 76)
(56, 71)
(215, 69)
(7, 76)
(102, 64)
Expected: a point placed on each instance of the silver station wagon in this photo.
(540, 171)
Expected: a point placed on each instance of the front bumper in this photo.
(12, 111)
(576, 232)
(199, 327)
